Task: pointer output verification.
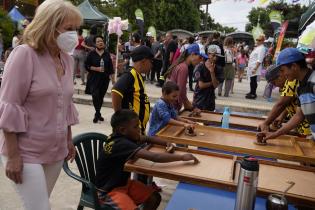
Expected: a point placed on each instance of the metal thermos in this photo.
(247, 184)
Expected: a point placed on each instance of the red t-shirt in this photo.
(79, 46)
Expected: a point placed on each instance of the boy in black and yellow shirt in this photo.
(116, 187)
(129, 91)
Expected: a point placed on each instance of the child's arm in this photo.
(170, 147)
(164, 157)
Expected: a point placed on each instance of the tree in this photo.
(291, 12)
(7, 28)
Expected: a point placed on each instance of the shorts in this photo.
(127, 197)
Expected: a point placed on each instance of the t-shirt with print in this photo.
(204, 99)
(161, 114)
(130, 87)
(110, 164)
(290, 90)
(306, 92)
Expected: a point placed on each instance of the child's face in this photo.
(172, 97)
(132, 130)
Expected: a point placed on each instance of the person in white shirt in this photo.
(255, 66)
(16, 39)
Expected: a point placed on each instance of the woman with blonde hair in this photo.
(36, 108)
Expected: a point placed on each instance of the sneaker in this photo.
(95, 120)
(251, 96)
(100, 118)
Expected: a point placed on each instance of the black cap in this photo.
(272, 73)
(140, 53)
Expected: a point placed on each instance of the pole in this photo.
(116, 65)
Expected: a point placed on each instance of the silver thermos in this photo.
(247, 184)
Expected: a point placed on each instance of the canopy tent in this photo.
(307, 18)
(181, 34)
(242, 37)
(91, 14)
(15, 15)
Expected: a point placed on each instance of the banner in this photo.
(283, 29)
(140, 21)
(257, 31)
(152, 30)
(275, 18)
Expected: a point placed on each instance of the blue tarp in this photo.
(15, 15)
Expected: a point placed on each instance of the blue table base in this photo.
(188, 196)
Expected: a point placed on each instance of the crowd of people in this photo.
(37, 112)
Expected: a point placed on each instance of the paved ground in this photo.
(67, 191)
(236, 101)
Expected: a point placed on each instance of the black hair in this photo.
(93, 30)
(216, 35)
(97, 36)
(302, 64)
(191, 40)
(179, 60)
(80, 31)
(136, 37)
(122, 117)
(169, 87)
(16, 32)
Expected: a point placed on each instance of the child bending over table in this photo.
(164, 111)
(115, 187)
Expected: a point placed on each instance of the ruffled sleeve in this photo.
(16, 83)
(72, 115)
(13, 118)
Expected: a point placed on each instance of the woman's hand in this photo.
(14, 168)
(72, 152)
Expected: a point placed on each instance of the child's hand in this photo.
(170, 147)
(188, 157)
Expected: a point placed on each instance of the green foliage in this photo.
(290, 12)
(7, 28)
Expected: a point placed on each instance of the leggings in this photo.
(38, 181)
(98, 94)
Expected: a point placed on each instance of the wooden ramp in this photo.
(216, 170)
(284, 147)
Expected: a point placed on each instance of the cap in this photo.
(289, 55)
(193, 48)
(214, 49)
(140, 53)
(149, 34)
(272, 73)
(204, 55)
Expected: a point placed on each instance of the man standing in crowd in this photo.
(136, 42)
(294, 66)
(157, 61)
(255, 62)
(171, 47)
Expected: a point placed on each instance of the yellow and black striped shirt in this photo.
(130, 87)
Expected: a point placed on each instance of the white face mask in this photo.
(67, 41)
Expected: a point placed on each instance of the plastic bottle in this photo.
(226, 117)
(102, 65)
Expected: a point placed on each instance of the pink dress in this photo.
(36, 106)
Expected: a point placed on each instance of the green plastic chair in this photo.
(88, 146)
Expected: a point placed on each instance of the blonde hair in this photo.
(41, 32)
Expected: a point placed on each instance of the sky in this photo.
(234, 13)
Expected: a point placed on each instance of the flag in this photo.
(140, 21)
(152, 30)
(257, 31)
(263, 2)
(275, 19)
(283, 29)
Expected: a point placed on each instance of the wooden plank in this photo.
(243, 142)
(236, 121)
(214, 170)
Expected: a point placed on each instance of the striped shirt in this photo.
(130, 87)
(306, 92)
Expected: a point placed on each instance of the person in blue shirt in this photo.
(164, 111)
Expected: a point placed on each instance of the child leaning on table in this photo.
(115, 187)
(164, 111)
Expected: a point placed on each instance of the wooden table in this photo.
(284, 147)
(236, 121)
(217, 170)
